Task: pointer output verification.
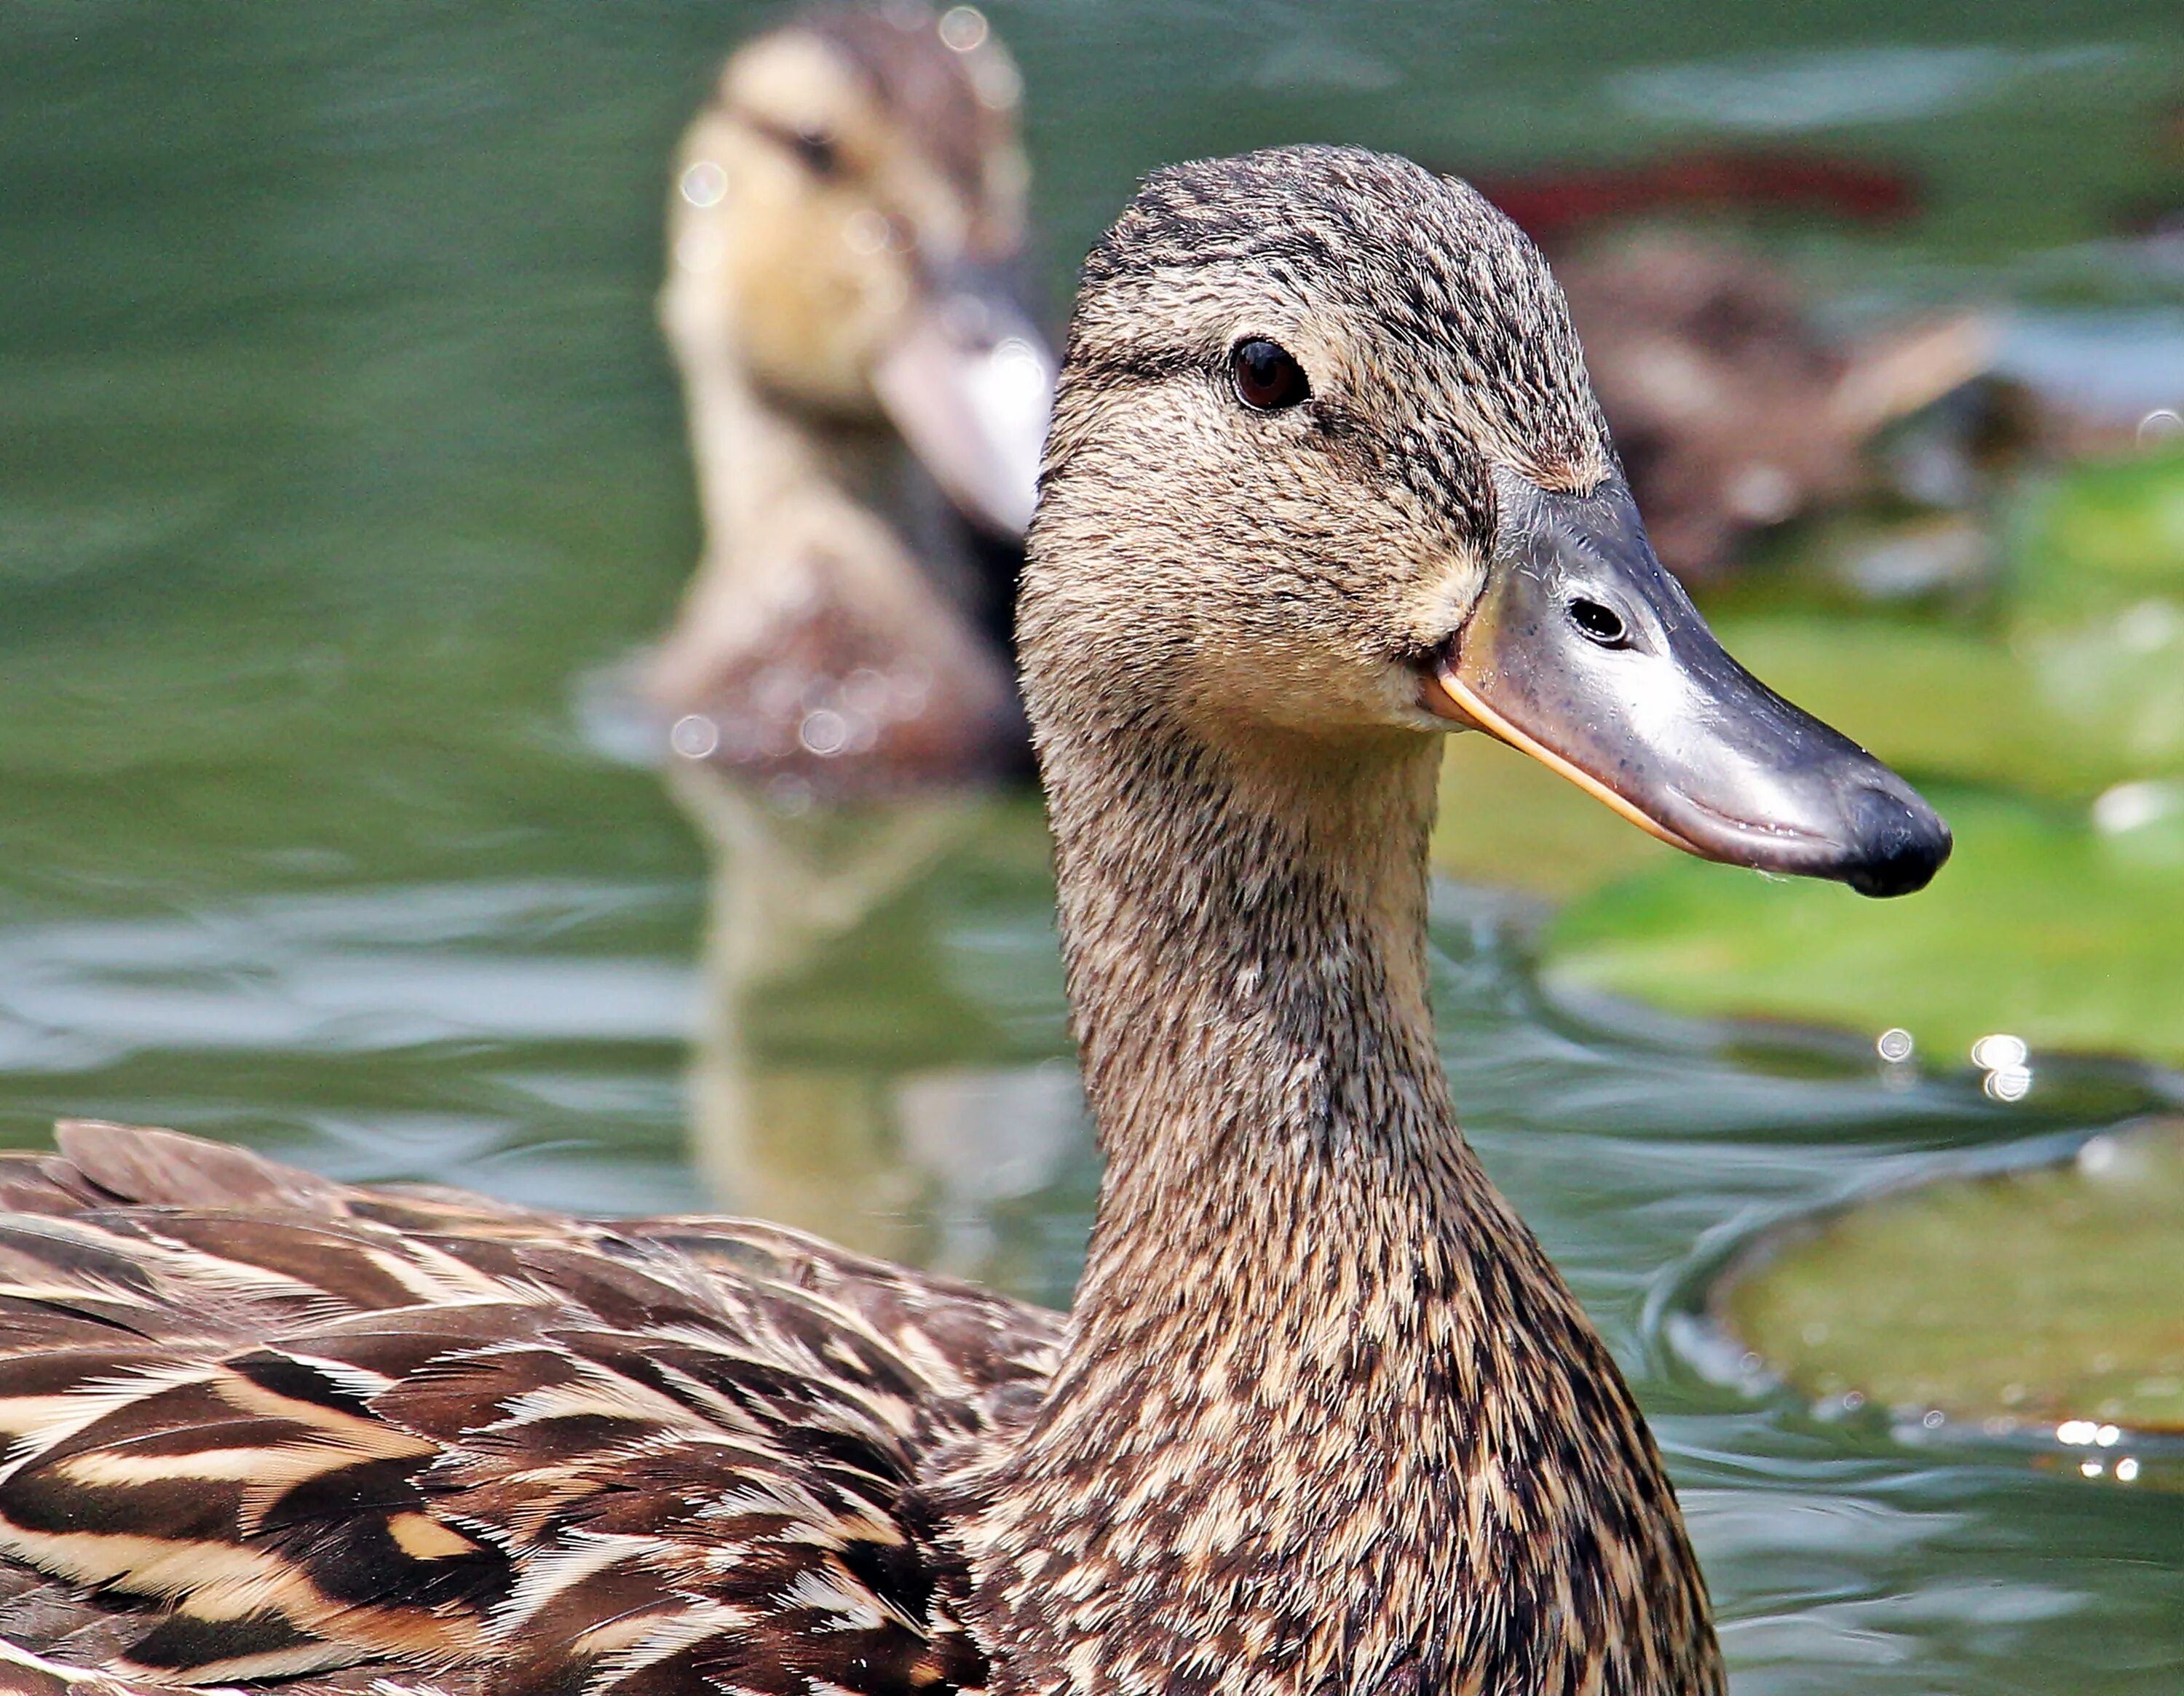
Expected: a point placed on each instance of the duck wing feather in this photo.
(263, 1426)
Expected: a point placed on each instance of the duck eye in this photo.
(815, 152)
(1267, 378)
(1602, 625)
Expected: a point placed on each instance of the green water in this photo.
(339, 461)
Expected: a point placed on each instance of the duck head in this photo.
(1325, 465)
(846, 225)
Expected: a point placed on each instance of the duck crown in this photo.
(1448, 310)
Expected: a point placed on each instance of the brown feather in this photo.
(308, 1440)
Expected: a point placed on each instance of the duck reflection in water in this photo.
(867, 399)
(845, 1076)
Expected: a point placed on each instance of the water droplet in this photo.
(789, 796)
(704, 183)
(865, 231)
(963, 28)
(825, 731)
(695, 735)
(866, 691)
(1999, 1050)
(996, 83)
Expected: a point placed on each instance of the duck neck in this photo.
(1245, 928)
(1327, 1420)
(802, 508)
(753, 452)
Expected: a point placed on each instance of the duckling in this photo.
(1326, 482)
(847, 217)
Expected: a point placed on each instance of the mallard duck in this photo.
(1325, 482)
(846, 218)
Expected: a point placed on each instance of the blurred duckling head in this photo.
(1325, 466)
(847, 224)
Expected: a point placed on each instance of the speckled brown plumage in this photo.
(1324, 1421)
(270, 1426)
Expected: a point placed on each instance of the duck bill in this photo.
(1583, 652)
(969, 383)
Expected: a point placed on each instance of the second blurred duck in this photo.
(867, 401)
(868, 404)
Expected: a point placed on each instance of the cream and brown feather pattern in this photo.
(263, 1426)
(1326, 482)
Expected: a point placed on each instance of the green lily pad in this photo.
(2021, 1298)
(2098, 613)
(1508, 821)
(2077, 686)
(2102, 538)
(2046, 925)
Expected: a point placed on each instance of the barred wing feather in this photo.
(260, 1426)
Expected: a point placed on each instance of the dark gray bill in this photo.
(970, 384)
(1585, 652)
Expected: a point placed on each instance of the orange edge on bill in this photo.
(1467, 707)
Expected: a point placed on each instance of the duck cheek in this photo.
(814, 328)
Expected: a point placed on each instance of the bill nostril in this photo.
(1902, 842)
